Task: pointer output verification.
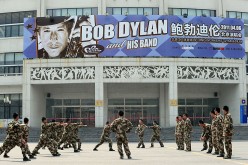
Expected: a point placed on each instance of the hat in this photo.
(44, 21)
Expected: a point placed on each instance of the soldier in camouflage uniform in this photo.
(69, 135)
(75, 131)
(177, 133)
(156, 134)
(15, 138)
(219, 123)
(206, 136)
(60, 130)
(25, 132)
(214, 132)
(227, 132)
(105, 137)
(181, 132)
(140, 130)
(187, 132)
(121, 126)
(45, 140)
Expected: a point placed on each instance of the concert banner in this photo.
(133, 36)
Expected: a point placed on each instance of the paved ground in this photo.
(148, 156)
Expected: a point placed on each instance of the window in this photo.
(72, 11)
(9, 104)
(192, 12)
(243, 15)
(11, 24)
(10, 63)
(132, 10)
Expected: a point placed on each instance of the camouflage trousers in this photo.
(104, 139)
(51, 144)
(220, 144)
(179, 142)
(141, 140)
(66, 138)
(187, 140)
(156, 137)
(122, 140)
(207, 143)
(79, 142)
(10, 143)
(228, 145)
(13, 146)
(215, 143)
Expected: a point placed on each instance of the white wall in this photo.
(7, 89)
(13, 44)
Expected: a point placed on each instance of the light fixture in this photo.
(126, 13)
(146, 13)
(185, 15)
(6, 100)
(29, 16)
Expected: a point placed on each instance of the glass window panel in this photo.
(94, 11)
(193, 101)
(148, 11)
(155, 11)
(212, 13)
(124, 11)
(177, 12)
(2, 58)
(116, 102)
(88, 102)
(2, 113)
(150, 101)
(198, 12)
(245, 16)
(132, 11)
(246, 31)
(2, 18)
(14, 31)
(184, 11)
(18, 58)
(133, 101)
(64, 12)
(50, 12)
(9, 58)
(150, 114)
(206, 12)
(8, 18)
(181, 102)
(239, 15)
(57, 101)
(109, 11)
(79, 11)
(20, 30)
(7, 31)
(72, 12)
(140, 11)
(14, 110)
(72, 102)
(57, 12)
(7, 113)
(87, 11)
(232, 14)
(117, 11)
(10, 69)
(192, 12)
(1, 100)
(2, 31)
(170, 10)
(29, 14)
(15, 17)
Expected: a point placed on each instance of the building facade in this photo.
(93, 90)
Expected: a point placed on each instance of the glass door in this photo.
(133, 114)
(57, 113)
(88, 116)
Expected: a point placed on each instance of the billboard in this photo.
(133, 36)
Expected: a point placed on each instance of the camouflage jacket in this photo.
(214, 126)
(219, 124)
(25, 131)
(206, 131)
(121, 126)
(228, 125)
(156, 130)
(106, 131)
(141, 129)
(14, 130)
(60, 130)
(177, 129)
(46, 130)
(181, 127)
(187, 126)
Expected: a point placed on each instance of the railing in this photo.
(11, 70)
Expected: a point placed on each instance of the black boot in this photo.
(31, 156)
(26, 159)
(221, 155)
(95, 149)
(110, 147)
(152, 145)
(204, 149)
(143, 146)
(209, 152)
(6, 156)
(138, 145)
(129, 157)
(76, 151)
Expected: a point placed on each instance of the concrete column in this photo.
(103, 7)
(41, 9)
(99, 97)
(161, 7)
(165, 7)
(172, 96)
(105, 103)
(220, 12)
